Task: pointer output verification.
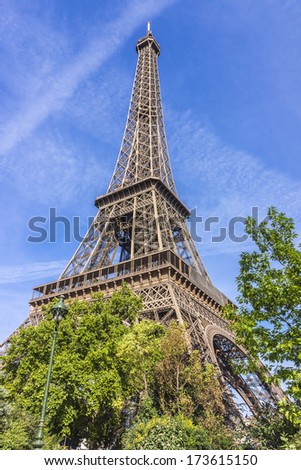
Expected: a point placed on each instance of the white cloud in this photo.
(28, 272)
(52, 167)
(227, 182)
(99, 105)
(46, 77)
(60, 83)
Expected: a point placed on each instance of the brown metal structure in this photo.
(140, 236)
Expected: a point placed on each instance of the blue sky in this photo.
(231, 88)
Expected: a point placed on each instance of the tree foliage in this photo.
(18, 427)
(185, 384)
(138, 353)
(86, 394)
(113, 379)
(270, 430)
(184, 406)
(268, 318)
(167, 433)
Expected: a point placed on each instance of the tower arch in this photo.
(232, 361)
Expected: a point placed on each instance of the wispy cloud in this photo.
(47, 78)
(29, 272)
(226, 180)
(54, 166)
(108, 92)
(227, 183)
(60, 85)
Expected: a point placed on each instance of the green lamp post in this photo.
(58, 311)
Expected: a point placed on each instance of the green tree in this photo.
(185, 384)
(20, 431)
(139, 352)
(17, 427)
(270, 430)
(86, 394)
(113, 380)
(183, 407)
(166, 433)
(267, 321)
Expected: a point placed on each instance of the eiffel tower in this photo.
(139, 236)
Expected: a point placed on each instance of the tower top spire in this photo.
(148, 40)
(144, 153)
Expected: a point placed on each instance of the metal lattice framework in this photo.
(140, 236)
(131, 222)
(144, 150)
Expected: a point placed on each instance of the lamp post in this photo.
(58, 311)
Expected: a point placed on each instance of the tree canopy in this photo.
(113, 378)
(86, 393)
(267, 321)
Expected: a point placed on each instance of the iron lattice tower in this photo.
(140, 236)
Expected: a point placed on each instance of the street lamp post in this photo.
(58, 311)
